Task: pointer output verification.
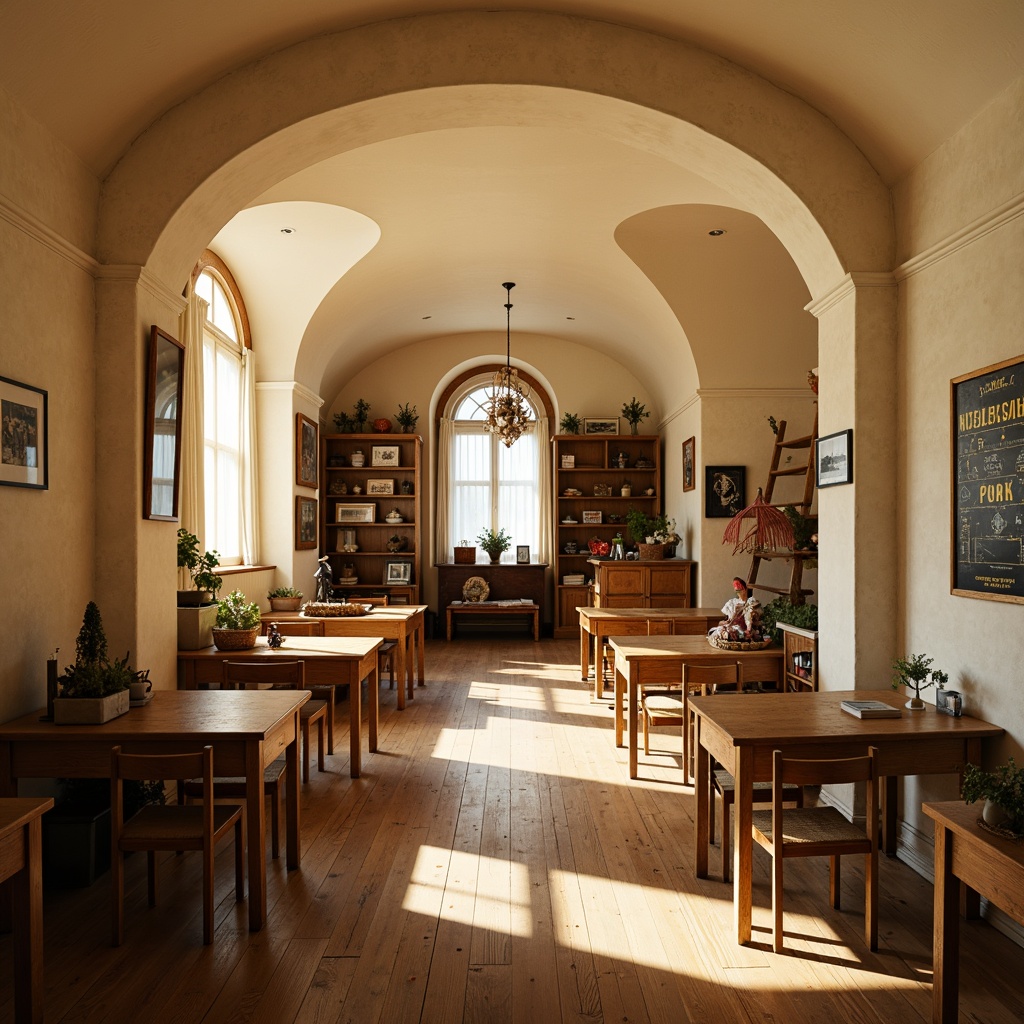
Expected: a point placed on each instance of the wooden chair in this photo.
(328, 694)
(170, 827)
(699, 681)
(821, 831)
(283, 675)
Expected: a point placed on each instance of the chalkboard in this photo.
(987, 409)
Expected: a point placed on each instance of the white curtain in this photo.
(248, 482)
(544, 489)
(191, 496)
(443, 512)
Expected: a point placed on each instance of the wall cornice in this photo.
(39, 232)
(847, 286)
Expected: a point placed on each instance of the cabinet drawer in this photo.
(674, 580)
(624, 582)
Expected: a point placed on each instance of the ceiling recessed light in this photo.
(287, 231)
(716, 232)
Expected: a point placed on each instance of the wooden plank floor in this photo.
(495, 863)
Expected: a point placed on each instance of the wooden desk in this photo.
(994, 867)
(21, 862)
(507, 580)
(247, 729)
(660, 659)
(742, 730)
(403, 623)
(598, 623)
(329, 661)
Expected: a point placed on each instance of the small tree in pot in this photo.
(238, 623)
(495, 544)
(200, 568)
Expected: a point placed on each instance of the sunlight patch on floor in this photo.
(467, 888)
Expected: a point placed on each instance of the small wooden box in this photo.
(465, 556)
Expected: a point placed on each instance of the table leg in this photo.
(355, 721)
(632, 718)
(702, 770)
(400, 661)
(620, 686)
(536, 624)
(889, 802)
(27, 898)
(291, 809)
(448, 616)
(421, 644)
(585, 657)
(410, 661)
(373, 692)
(946, 932)
(743, 842)
(256, 835)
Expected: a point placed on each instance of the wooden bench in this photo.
(528, 608)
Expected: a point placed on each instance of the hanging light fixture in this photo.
(507, 413)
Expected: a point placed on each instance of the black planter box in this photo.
(76, 847)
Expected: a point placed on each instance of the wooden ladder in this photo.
(795, 591)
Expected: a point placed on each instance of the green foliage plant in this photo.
(200, 566)
(494, 543)
(407, 418)
(343, 423)
(634, 412)
(912, 672)
(284, 592)
(570, 423)
(362, 409)
(781, 609)
(645, 529)
(93, 674)
(234, 612)
(1004, 787)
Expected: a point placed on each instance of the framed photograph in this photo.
(24, 453)
(380, 486)
(987, 431)
(161, 458)
(568, 462)
(725, 489)
(306, 449)
(833, 459)
(398, 571)
(689, 462)
(305, 522)
(592, 517)
(384, 455)
(362, 513)
(601, 425)
(522, 554)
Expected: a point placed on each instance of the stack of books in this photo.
(573, 579)
(870, 709)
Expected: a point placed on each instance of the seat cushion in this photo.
(810, 825)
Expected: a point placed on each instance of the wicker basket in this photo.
(235, 639)
(739, 645)
(651, 552)
(465, 555)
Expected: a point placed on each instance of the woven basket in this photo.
(739, 645)
(651, 552)
(235, 639)
(321, 610)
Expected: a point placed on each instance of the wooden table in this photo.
(660, 659)
(403, 623)
(497, 608)
(247, 729)
(741, 731)
(598, 623)
(964, 852)
(328, 660)
(21, 862)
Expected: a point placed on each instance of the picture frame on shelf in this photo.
(24, 431)
(689, 463)
(385, 455)
(593, 517)
(601, 425)
(380, 487)
(364, 512)
(165, 389)
(725, 489)
(522, 554)
(306, 447)
(833, 459)
(398, 571)
(305, 522)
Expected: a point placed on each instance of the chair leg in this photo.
(727, 799)
(330, 727)
(151, 873)
(320, 744)
(117, 907)
(711, 803)
(833, 881)
(305, 750)
(777, 862)
(871, 899)
(686, 735)
(239, 860)
(647, 721)
(275, 820)
(207, 894)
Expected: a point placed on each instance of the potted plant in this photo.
(1003, 793)
(570, 423)
(238, 623)
(634, 412)
(406, 418)
(201, 570)
(781, 610)
(285, 599)
(494, 544)
(651, 533)
(913, 673)
(95, 689)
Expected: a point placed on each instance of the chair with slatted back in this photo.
(328, 694)
(282, 675)
(171, 827)
(821, 831)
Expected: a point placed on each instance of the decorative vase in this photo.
(358, 459)
(633, 428)
(627, 492)
(994, 815)
(382, 426)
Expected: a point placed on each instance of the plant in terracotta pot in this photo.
(634, 412)
(200, 568)
(912, 673)
(238, 623)
(1003, 793)
(495, 544)
(285, 599)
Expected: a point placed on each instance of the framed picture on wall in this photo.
(725, 489)
(689, 462)
(306, 449)
(833, 459)
(305, 522)
(24, 454)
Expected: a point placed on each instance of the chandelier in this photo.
(507, 413)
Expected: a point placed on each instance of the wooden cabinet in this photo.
(800, 657)
(596, 466)
(662, 584)
(507, 581)
(349, 518)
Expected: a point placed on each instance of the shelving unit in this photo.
(338, 513)
(799, 657)
(595, 460)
